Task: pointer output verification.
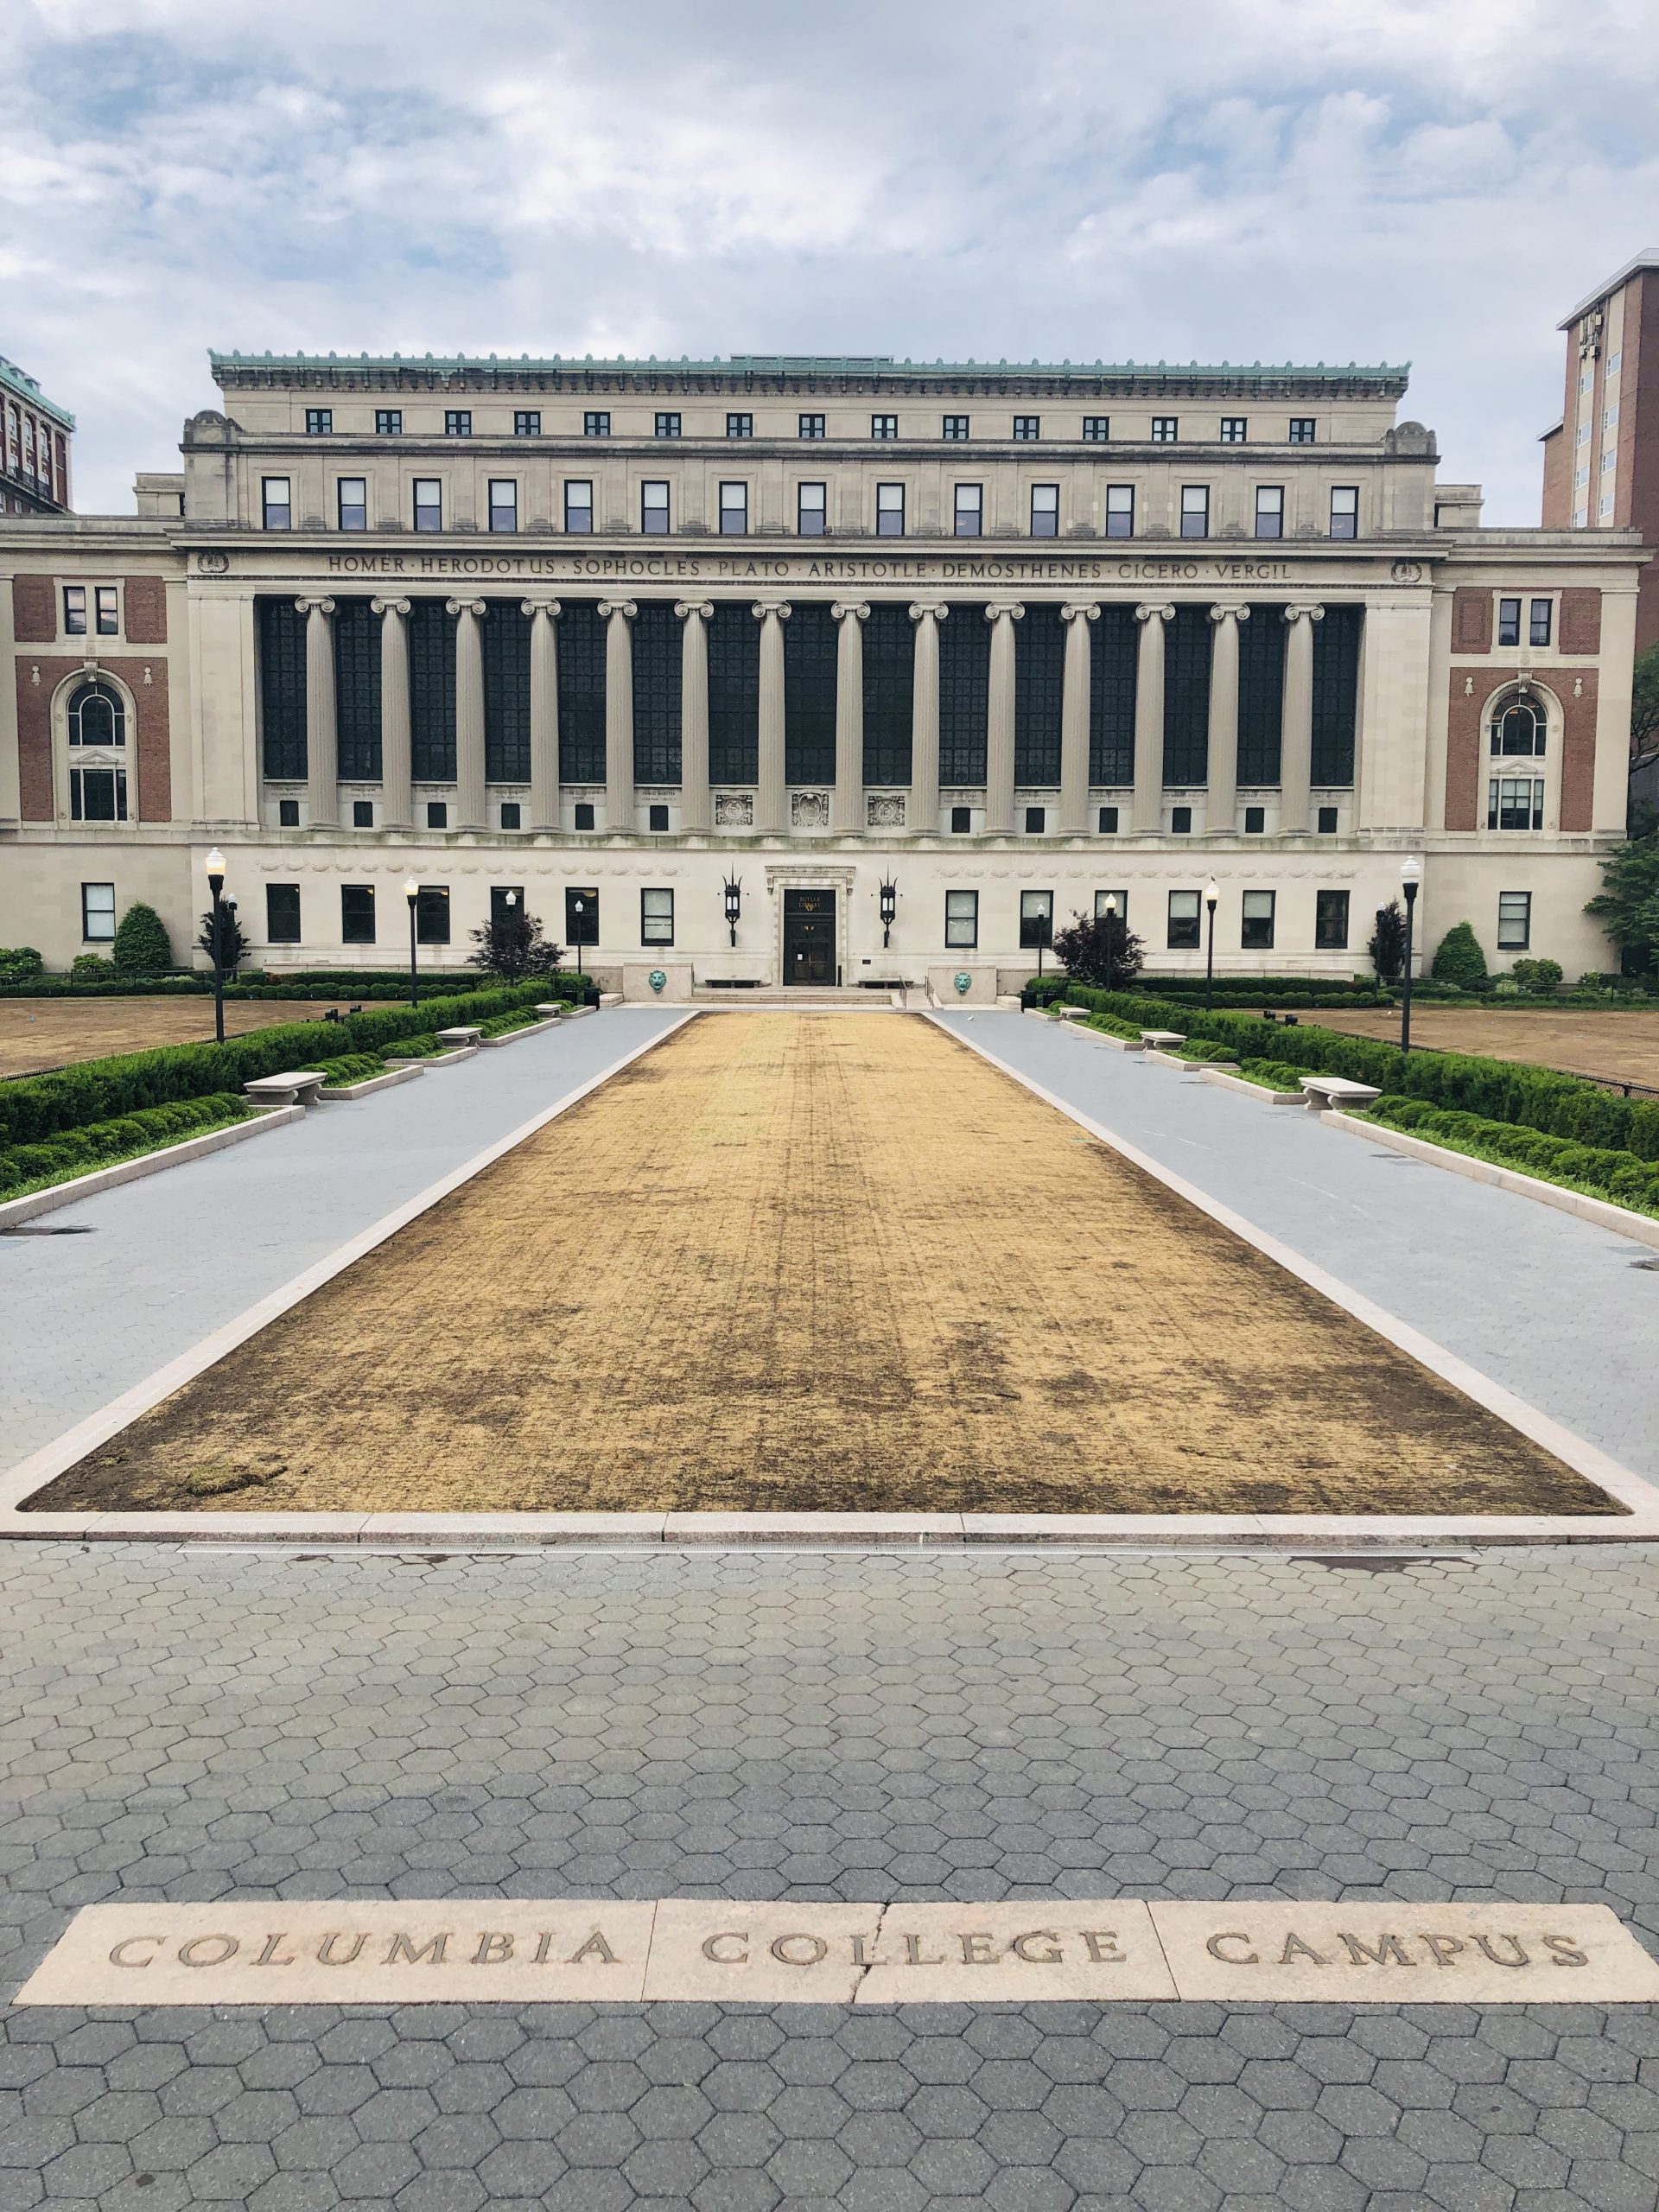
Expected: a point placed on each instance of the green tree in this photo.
(1644, 708)
(1100, 949)
(232, 945)
(141, 946)
(1386, 948)
(1627, 905)
(512, 946)
(1459, 959)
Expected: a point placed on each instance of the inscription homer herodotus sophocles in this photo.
(578, 1950)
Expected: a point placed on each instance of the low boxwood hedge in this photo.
(356, 1067)
(99, 1144)
(503, 1025)
(414, 1048)
(1606, 1172)
(1272, 1075)
(1113, 1026)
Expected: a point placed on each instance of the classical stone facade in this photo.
(640, 641)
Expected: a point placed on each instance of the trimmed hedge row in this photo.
(77, 1152)
(502, 1025)
(1498, 1090)
(1272, 1075)
(1619, 1176)
(414, 1048)
(355, 1067)
(35, 1107)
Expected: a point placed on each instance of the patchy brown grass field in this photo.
(818, 1262)
(40, 1033)
(1624, 1046)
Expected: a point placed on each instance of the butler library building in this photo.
(711, 662)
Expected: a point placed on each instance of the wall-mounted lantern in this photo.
(889, 912)
(734, 905)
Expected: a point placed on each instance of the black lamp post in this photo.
(733, 892)
(1211, 900)
(1411, 874)
(215, 924)
(889, 912)
(412, 891)
(579, 907)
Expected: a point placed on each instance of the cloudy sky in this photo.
(1431, 181)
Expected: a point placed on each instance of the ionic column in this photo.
(1221, 801)
(1147, 811)
(694, 616)
(923, 811)
(846, 800)
(1001, 614)
(1074, 720)
(321, 727)
(771, 614)
(1296, 731)
(396, 807)
(543, 712)
(470, 808)
(618, 614)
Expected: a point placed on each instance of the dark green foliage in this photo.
(356, 1067)
(1610, 1172)
(514, 946)
(141, 946)
(503, 1025)
(18, 962)
(1388, 946)
(1274, 1075)
(1100, 949)
(1204, 1048)
(233, 945)
(1114, 1026)
(1542, 976)
(1459, 959)
(77, 1151)
(1627, 905)
(414, 1048)
(90, 963)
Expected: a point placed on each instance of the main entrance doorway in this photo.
(809, 936)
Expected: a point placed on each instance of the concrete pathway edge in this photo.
(13, 1211)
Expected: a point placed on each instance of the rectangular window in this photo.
(1097, 429)
(1331, 921)
(1195, 511)
(288, 813)
(1344, 511)
(429, 503)
(1036, 920)
(319, 421)
(811, 426)
(1120, 511)
(74, 610)
(1515, 802)
(960, 917)
(809, 510)
(97, 794)
(388, 421)
(1233, 430)
(362, 814)
(357, 913)
(1106, 821)
(955, 426)
(1508, 621)
(668, 425)
(1036, 820)
(581, 915)
(505, 899)
(1255, 926)
(889, 510)
(1166, 429)
(596, 423)
(969, 510)
(1514, 920)
(511, 814)
(1182, 920)
(734, 510)
(107, 600)
(1255, 821)
(657, 916)
(584, 814)
(1028, 428)
(1112, 902)
(97, 912)
(504, 503)
(432, 914)
(740, 426)
(437, 814)
(277, 504)
(962, 820)
(1180, 821)
(1327, 822)
(1301, 430)
(884, 426)
(457, 423)
(1044, 510)
(1270, 510)
(653, 509)
(526, 423)
(1538, 628)
(656, 819)
(282, 913)
(352, 502)
(579, 506)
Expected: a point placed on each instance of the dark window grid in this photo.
(437, 814)
(1113, 649)
(511, 813)
(107, 602)
(580, 928)
(97, 794)
(1097, 429)
(97, 912)
(352, 502)
(500, 894)
(810, 693)
(281, 689)
(810, 510)
(1039, 691)
(733, 694)
(1036, 919)
(1519, 731)
(388, 421)
(526, 423)
(432, 914)
(507, 692)
(1331, 921)
(458, 422)
(1120, 520)
(431, 692)
(955, 426)
(1232, 430)
(1183, 930)
(811, 426)
(1186, 696)
(1514, 921)
(1336, 695)
(97, 716)
(964, 695)
(1515, 802)
(1164, 429)
(1508, 621)
(889, 682)
(357, 913)
(504, 503)
(884, 426)
(656, 918)
(581, 693)
(1301, 430)
(1257, 922)
(656, 649)
(962, 820)
(596, 424)
(740, 426)
(362, 814)
(357, 690)
(1261, 696)
(1538, 629)
(961, 919)
(74, 610)
(319, 421)
(288, 813)
(668, 425)
(282, 913)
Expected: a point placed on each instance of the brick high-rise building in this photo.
(34, 437)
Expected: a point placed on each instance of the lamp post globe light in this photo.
(412, 891)
(1211, 900)
(579, 907)
(215, 866)
(1411, 874)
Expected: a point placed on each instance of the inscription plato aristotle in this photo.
(582, 1950)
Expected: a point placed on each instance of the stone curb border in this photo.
(148, 1163)
(406, 1073)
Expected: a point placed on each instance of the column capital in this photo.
(313, 605)
(464, 606)
(1154, 611)
(1230, 609)
(551, 608)
(1086, 610)
(704, 608)
(858, 608)
(1300, 607)
(924, 607)
(780, 608)
(627, 608)
(389, 606)
(1012, 608)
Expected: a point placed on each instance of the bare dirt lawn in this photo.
(816, 1262)
(1622, 1046)
(40, 1033)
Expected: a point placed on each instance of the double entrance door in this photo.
(809, 936)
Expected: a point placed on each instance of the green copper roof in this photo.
(26, 388)
(789, 365)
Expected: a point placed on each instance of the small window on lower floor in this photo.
(1182, 920)
(511, 814)
(437, 814)
(432, 914)
(1107, 824)
(1035, 819)
(1180, 820)
(581, 915)
(1256, 928)
(657, 916)
(1112, 902)
(962, 820)
(1327, 818)
(1515, 802)
(97, 912)
(1514, 921)
(97, 794)
(658, 818)
(1255, 821)
(962, 916)
(288, 813)
(1331, 921)
(357, 913)
(505, 901)
(282, 913)
(1036, 919)
(362, 814)
(584, 814)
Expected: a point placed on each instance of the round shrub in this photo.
(141, 945)
(1460, 959)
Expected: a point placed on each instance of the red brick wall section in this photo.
(1558, 480)
(146, 611)
(33, 610)
(155, 739)
(1579, 744)
(1471, 621)
(1463, 751)
(151, 742)
(35, 735)
(1580, 621)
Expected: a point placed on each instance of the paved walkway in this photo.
(174, 1257)
(1559, 1312)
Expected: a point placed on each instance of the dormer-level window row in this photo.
(884, 429)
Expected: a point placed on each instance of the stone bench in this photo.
(552, 1011)
(1324, 1092)
(454, 1039)
(1159, 1040)
(295, 1087)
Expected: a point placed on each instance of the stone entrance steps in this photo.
(806, 999)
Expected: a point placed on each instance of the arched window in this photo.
(96, 716)
(1518, 728)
